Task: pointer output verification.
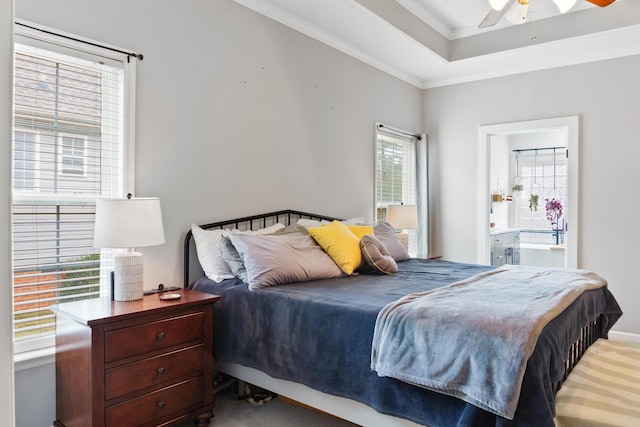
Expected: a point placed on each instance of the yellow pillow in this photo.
(340, 244)
(361, 230)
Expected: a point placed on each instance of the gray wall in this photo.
(236, 114)
(35, 396)
(6, 73)
(605, 96)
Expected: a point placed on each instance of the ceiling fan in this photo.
(515, 11)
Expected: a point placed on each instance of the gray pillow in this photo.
(293, 228)
(282, 258)
(232, 257)
(376, 255)
(387, 235)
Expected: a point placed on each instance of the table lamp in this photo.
(403, 217)
(128, 223)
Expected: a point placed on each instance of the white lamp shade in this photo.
(564, 5)
(128, 223)
(403, 217)
(497, 4)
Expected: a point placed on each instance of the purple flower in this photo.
(554, 210)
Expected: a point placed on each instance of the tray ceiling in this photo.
(430, 43)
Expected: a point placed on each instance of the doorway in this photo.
(498, 146)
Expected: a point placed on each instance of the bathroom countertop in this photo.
(502, 230)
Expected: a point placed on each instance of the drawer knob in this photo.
(160, 371)
(160, 405)
(161, 336)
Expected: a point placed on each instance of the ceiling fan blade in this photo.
(494, 16)
(601, 3)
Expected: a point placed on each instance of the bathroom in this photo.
(528, 200)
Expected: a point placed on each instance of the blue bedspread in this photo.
(319, 333)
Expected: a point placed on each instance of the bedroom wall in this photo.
(605, 96)
(236, 115)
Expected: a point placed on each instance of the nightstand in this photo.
(136, 363)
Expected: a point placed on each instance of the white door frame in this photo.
(572, 125)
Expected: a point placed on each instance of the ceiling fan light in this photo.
(517, 14)
(564, 5)
(497, 4)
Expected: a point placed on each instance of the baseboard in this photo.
(33, 359)
(625, 337)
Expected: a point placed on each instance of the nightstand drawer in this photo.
(135, 340)
(149, 372)
(158, 404)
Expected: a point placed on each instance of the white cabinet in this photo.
(505, 247)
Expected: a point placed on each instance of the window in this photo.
(401, 177)
(543, 175)
(24, 161)
(72, 155)
(395, 172)
(71, 114)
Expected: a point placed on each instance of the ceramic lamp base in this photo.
(127, 269)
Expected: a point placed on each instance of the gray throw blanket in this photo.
(472, 339)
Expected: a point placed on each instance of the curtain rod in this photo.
(539, 149)
(138, 56)
(400, 132)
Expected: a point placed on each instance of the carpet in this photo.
(231, 412)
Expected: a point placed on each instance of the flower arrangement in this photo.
(554, 210)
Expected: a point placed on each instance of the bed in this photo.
(312, 340)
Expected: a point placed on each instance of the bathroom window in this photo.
(544, 178)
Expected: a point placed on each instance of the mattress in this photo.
(319, 333)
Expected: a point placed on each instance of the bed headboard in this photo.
(253, 222)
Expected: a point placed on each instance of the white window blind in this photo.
(395, 172)
(70, 108)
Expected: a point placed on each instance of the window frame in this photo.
(80, 47)
(409, 195)
(419, 239)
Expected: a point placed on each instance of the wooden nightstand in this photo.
(136, 363)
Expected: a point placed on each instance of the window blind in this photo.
(68, 150)
(395, 172)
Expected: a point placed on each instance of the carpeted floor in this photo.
(230, 412)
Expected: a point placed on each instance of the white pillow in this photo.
(209, 253)
(351, 221)
(306, 223)
(267, 230)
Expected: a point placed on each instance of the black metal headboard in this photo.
(253, 222)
